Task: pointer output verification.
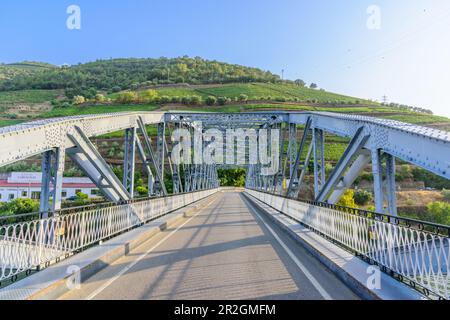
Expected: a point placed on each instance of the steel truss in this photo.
(374, 141)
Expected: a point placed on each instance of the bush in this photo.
(127, 97)
(195, 100)
(221, 101)
(164, 99)
(348, 200)
(175, 99)
(99, 97)
(78, 100)
(243, 97)
(439, 212)
(148, 95)
(19, 206)
(185, 100)
(142, 191)
(211, 100)
(446, 194)
(362, 197)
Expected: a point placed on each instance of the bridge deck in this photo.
(226, 251)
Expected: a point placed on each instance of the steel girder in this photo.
(86, 156)
(386, 140)
(158, 185)
(129, 160)
(294, 186)
(318, 142)
(349, 155)
(425, 147)
(52, 174)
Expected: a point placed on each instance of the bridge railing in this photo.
(409, 251)
(31, 244)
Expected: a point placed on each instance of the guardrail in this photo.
(31, 244)
(409, 251)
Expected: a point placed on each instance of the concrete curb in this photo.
(350, 269)
(53, 281)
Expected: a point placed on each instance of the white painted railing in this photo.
(420, 256)
(26, 245)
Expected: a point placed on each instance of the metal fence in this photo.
(407, 250)
(27, 245)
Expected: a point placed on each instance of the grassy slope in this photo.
(28, 96)
(258, 90)
(252, 90)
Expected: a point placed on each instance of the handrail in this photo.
(409, 253)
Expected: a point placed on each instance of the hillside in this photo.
(25, 68)
(121, 74)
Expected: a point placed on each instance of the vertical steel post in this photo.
(160, 154)
(390, 184)
(319, 160)
(377, 171)
(52, 176)
(129, 160)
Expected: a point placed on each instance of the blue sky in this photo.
(327, 42)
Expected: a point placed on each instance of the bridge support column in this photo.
(129, 160)
(52, 175)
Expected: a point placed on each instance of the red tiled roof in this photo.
(5, 183)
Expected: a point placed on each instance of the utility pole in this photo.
(282, 74)
(384, 99)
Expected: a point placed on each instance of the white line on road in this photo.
(300, 265)
(142, 256)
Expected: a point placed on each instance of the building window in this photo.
(64, 193)
(24, 194)
(35, 195)
(11, 196)
(1, 195)
(94, 192)
(77, 191)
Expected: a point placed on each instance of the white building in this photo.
(15, 185)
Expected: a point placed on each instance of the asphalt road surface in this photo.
(229, 250)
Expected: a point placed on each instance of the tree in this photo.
(195, 100)
(185, 100)
(348, 200)
(19, 206)
(313, 86)
(81, 198)
(78, 100)
(439, 212)
(164, 99)
(362, 197)
(148, 95)
(141, 190)
(300, 82)
(99, 97)
(211, 100)
(221, 101)
(243, 97)
(127, 97)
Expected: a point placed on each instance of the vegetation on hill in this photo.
(24, 69)
(119, 74)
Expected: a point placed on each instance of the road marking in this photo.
(300, 265)
(142, 256)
